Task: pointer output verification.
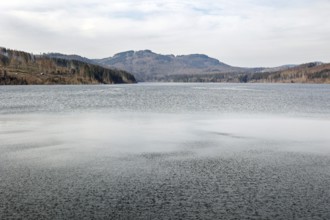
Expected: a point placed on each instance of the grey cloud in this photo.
(243, 33)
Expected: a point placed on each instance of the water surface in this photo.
(165, 151)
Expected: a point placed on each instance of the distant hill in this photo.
(278, 68)
(18, 67)
(149, 66)
(69, 57)
(314, 72)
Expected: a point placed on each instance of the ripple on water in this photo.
(165, 151)
(251, 184)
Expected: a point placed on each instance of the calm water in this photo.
(165, 151)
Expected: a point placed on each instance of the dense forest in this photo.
(21, 68)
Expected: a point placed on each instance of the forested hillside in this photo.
(19, 68)
(149, 66)
(305, 73)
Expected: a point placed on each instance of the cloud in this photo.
(243, 33)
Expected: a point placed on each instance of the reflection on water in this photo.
(169, 161)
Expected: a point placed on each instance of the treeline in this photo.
(18, 67)
(214, 77)
(306, 73)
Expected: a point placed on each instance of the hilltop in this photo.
(22, 68)
(149, 66)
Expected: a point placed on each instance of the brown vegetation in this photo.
(20, 68)
(305, 73)
(149, 66)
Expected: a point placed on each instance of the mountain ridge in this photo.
(149, 66)
(202, 68)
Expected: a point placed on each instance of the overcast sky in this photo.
(238, 32)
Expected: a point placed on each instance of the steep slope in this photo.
(149, 66)
(17, 67)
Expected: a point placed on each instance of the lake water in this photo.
(165, 151)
